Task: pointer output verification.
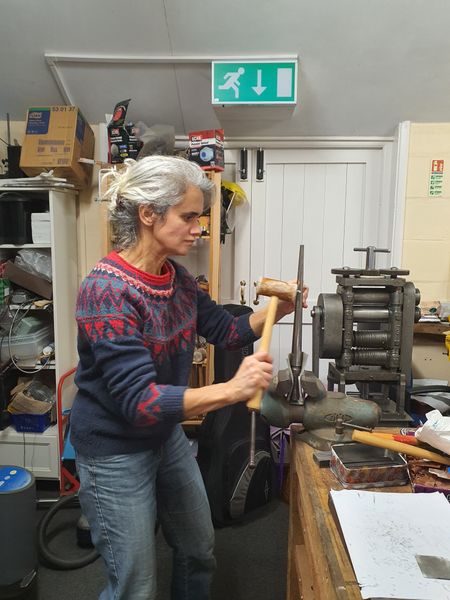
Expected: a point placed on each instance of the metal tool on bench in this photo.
(367, 327)
(297, 396)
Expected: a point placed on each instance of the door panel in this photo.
(354, 215)
(235, 253)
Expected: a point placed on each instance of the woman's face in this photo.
(179, 228)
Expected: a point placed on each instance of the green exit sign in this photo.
(254, 82)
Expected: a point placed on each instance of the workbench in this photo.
(319, 567)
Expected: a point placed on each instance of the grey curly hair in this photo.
(156, 181)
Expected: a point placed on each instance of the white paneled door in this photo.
(329, 200)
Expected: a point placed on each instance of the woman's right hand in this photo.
(254, 374)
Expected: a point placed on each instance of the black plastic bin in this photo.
(15, 217)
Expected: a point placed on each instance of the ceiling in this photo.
(364, 65)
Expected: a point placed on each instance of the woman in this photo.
(138, 313)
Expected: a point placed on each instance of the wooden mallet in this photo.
(276, 290)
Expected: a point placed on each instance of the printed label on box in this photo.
(38, 121)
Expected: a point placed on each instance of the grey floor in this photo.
(251, 560)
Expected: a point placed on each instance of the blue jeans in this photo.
(122, 497)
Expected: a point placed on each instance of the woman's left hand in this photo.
(286, 308)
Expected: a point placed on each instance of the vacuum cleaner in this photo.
(18, 556)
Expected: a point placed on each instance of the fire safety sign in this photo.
(436, 178)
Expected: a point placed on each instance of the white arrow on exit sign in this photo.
(259, 89)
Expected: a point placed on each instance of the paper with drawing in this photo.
(383, 533)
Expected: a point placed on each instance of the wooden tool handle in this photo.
(275, 287)
(264, 346)
(404, 439)
(373, 440)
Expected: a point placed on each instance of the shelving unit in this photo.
(39, 452)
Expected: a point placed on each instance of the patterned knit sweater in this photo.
(136, 335)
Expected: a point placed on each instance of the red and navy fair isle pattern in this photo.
(146, 306)
(136, 335)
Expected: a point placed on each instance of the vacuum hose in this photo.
(51, 559)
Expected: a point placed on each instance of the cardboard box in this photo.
(28, 280)
(206, 149)
(56, 137)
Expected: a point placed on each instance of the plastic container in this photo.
(15, 217)
(40, 228)
(27, 347)
(31, 423)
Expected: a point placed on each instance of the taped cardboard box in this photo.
(24, 402)
(28, 280)
(56, 137)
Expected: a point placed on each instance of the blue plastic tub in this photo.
(31, 423)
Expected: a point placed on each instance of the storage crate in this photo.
(31, 423)
(26, 347)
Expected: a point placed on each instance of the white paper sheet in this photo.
(435, 431)
(383, 533)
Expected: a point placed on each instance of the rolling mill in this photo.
(367, 328)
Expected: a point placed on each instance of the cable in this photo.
(425, 389)
(51, 559)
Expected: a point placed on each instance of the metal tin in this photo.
(359, 466)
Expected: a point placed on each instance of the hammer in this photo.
(275, 289)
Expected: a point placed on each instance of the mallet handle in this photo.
(255, 402)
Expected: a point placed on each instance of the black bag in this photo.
(224, 446)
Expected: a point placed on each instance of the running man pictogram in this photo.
(232, 81)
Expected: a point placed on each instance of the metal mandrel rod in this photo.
(251, 463)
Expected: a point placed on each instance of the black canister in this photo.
(15, 216)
